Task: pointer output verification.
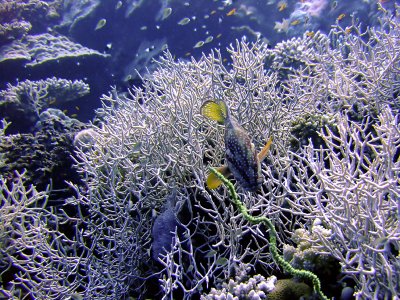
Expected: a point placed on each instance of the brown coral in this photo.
(289, 289)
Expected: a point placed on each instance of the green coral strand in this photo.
(307, 275)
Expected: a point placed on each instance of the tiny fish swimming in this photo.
(242, 160)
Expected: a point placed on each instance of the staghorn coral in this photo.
(172, 156)
(347, 68)
(354, 190)
(287, 267)
(152, 141)
(38, 260)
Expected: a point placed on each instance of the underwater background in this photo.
(105, 153)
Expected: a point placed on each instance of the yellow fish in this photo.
(282, 5)
(242, 160)
(295, 22)
(341, 16)
(231, 12)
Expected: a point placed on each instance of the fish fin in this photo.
(214, 111)
(213, 181)
(264, 151)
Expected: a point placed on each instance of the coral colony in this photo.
(141, 222)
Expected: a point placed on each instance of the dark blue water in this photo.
(135, 32)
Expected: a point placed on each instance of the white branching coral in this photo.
(151, 145)
(152, 142)
(46, 263)
(36, 96)
(354, 188)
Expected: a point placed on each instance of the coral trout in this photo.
(242, 160)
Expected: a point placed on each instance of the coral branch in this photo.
(307, 275)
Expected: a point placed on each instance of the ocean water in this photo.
(136, 32)
(60, 59)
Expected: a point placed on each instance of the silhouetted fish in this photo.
(242, 160)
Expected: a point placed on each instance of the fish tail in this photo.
(213, 181)
(217, 111)
(264, 151)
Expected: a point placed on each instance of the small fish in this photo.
(198, 44)
(310, 34)
(282, 5)
(149, 49)
(231, 12)
(143, 27)
(242, 160)
(118, 5)
(77, 107)
(100, 24)
(208, 39)
(184, 21)
(165, 225)
(295, 22)
(341, 16)
(166, 13)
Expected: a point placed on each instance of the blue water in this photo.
(135, 32)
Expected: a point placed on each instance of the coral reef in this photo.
(258, 287)
(13, 30)
(36, 12)
(24, 102)
(152, 142)
(354, 191)
(38, 260)
(308, 255)
(289, 289)
(38, 49)
(44, 154)
(75, 11)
